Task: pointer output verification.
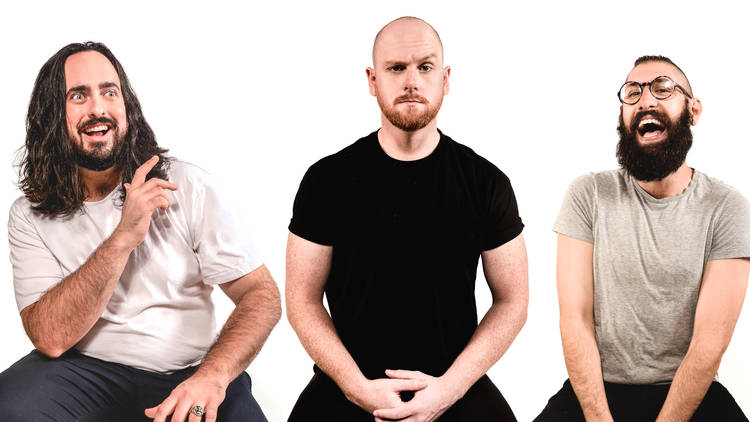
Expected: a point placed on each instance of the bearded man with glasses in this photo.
(652, 268)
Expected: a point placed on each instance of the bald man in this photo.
(391, 229)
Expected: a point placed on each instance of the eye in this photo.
(397, 68)
(77, 96)
(425, 67)
(110, 93)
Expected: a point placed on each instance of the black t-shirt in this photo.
(406, 237)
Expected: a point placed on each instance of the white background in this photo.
(256, 93)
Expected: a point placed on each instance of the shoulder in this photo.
(720, 193)
(470, 160)
(21, 212)
(351, 157)
(602, 183)
(188, 176)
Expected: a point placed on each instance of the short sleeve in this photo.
(503, 223)
(576, 217)
(35, 268)
(312, 214)
(731, 231)
(221, 239)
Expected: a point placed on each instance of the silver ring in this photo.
(197, 410)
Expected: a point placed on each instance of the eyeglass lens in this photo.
(661, 88)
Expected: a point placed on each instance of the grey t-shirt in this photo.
(649, 256)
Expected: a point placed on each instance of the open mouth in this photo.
(650, 129)
(97, 130)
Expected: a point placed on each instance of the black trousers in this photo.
(79, 388)
(629, 402)
(322, 400)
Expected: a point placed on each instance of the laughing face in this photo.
(655, 135)
(95, 110)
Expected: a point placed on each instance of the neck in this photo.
(98, 184)
(408, 146)
(671, 185)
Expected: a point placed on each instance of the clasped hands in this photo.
(382, 397)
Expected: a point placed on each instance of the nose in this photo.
(97, 106)
(411, 79)
(647, 99)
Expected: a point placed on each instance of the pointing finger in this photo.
(140, 173)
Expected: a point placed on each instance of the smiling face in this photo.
(94, 109)
(650, 116)
(408, 77)
(655, 135)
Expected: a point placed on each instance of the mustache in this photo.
(96, 120)
(411, 97)
(656, 114)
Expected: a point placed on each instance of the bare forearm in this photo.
(67, 312)
(318, 336)
(690, 383)
(492, 338)
(243, 335)
(584, 368)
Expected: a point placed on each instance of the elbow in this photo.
(51, 351)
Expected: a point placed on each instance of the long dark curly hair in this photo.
(48, 174)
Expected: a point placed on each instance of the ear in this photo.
(696, 108)
(371, 81)
(446, 79)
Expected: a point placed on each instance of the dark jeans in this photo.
(641, 403)
(75, 387)
(322, 400)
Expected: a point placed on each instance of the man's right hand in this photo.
(141, 199)
(383, 393)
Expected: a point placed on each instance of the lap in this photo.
(81, 388)
(641, 402)
(323, 400)
(70, 387)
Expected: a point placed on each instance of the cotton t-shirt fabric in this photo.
(649, 257)
(406, 239)
(160, 317)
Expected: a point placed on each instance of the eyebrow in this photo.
(431, 57)
(86, 88)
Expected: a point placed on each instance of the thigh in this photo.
(718, 405)
(322, 400)
(70, 387)
(483, 402)
(239, 403)
(562, 407)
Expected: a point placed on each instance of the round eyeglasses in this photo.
(661, 88)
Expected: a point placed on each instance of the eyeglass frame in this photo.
(650, 88)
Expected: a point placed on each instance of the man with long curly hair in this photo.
(115, 248)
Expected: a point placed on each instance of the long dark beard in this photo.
(98, 159)
(656, 161)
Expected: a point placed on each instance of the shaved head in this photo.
(401, 28)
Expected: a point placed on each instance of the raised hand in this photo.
(142, 198)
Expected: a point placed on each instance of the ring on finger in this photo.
(197, 410)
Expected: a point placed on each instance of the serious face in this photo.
(655, 134)
(408, 77)
(94, 109)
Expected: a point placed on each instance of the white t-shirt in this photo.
(160, 317)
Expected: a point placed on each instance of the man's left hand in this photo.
(426, 406)
(194, 391)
